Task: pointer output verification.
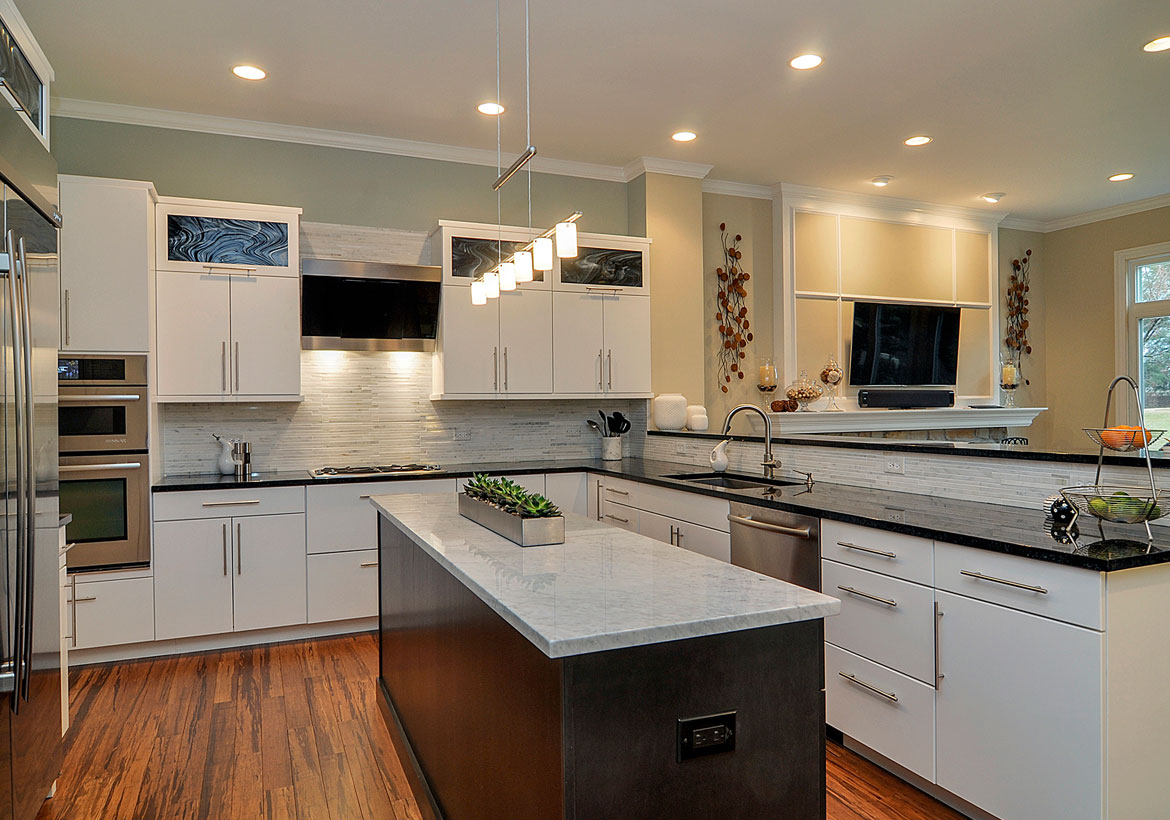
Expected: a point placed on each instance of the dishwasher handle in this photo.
(798, 532)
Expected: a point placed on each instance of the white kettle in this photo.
(719, 456)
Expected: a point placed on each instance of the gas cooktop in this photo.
(390, 469)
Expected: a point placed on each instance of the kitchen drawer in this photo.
(1055, 591)
(899, 634)
(110, 613)
(343, 585)
(703, 540)
(340, 517)
(898, 724)
(620, 490)
(619, 515)
(676, 504)
(175, 506)
(889, 553)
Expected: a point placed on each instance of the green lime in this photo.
(1099, 507)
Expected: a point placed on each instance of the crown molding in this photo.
(278, 132)
(671, 167)
(809, 195)
(1113, 212)
(742, 189)
(1021, 224)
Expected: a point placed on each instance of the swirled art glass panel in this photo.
(227, 241)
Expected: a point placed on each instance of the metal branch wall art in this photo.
(1016, 341)
(731, 309)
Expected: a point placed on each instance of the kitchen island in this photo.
(610, 676)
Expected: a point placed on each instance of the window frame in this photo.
(1128, 313)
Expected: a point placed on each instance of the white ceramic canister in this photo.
(670, 411)
(697, 418)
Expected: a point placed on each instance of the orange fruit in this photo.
(1125, 435)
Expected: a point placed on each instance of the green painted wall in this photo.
(331, 184)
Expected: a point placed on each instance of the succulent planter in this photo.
(527, 532)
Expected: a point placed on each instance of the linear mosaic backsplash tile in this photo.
(374, 408)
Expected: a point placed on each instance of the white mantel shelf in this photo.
(864, 421)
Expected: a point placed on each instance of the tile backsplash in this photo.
(375, 408)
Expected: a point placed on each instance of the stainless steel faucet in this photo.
(770, 464)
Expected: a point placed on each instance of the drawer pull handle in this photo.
(619, 492)
(858, 592)
(83, 600)
(979, 576)
(615, 518)
(367, 495)
(368, 564)
(890, 696)
(870, 550)
(67, 547)
(230, 503)
(797, 532)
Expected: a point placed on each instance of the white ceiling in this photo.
(1042, 99)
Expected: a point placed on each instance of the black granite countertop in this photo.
(999, 528)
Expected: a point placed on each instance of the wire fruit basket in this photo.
(1118, 503)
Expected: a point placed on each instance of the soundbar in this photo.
(905, 398)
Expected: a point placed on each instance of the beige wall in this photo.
(752, 219)
(1012, 245)
(1079, 316)
(672, 215)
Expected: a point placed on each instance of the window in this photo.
(1144, 329)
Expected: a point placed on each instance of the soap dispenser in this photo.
(719, 456)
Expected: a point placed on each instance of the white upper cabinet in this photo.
(107, 255)
(606, 264)
(468, 250)
(228, 326)
(199, 236)
(627, 344)
(526, 342)
(579, 343)
(468, 361)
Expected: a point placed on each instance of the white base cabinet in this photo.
(268, 587)
(110, 612)
(569, 491)
(689, 520)
(343, 585)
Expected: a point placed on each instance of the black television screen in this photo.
(895, 345)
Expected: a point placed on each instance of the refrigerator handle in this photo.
(19, 609)
(30, 481)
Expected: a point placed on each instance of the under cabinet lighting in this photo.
(993, 197)
(542, 253)
(492, 109)
(919, 139)
(1125, 177)
(249, 72)
(479, 292)
(523, 262)
(805, 61)
(508, 276)
(1161, 44)
(566, 240)
(491, 283)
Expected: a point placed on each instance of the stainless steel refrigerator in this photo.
(30, 629)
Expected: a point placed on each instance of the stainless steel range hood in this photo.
(347, 305)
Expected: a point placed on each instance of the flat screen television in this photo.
(904, 345)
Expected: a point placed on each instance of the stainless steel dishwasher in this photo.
(781, 544)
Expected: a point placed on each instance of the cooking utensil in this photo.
(623, 424)
(604, 422)
(596, 427)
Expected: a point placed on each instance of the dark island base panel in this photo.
(499, 731)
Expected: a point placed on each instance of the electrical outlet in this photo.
(463, 435)
(574, 432)
(895, 515)
(896, 465)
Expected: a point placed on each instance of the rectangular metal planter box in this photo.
(527, 532)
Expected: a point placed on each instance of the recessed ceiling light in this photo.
(805, 61)
(249, 72)
(1121, 177)
(490, 108)
(993, 197)
(1161, 44)
(920, 139)
(881, 182)
(683, 136)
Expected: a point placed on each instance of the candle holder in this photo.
(769, 380)
(831, 377)
(1009, 379)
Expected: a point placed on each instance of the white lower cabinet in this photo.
(110, 612)
(693, 537)
(340, 517)
(689, 520)
(569, 491)
(343, 585)
(202, 586)
(1019, 712)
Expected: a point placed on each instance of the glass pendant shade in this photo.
(491, 283)
(479, 292)
(508, 276)
(566, 240)
(542, 253)
(523, 260)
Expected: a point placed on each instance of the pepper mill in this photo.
(242, 456)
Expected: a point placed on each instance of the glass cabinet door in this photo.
(613, 265)
(220, 239)
(21, 81)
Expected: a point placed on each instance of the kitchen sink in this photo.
(734, 482)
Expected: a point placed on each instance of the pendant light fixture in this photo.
(537, 255)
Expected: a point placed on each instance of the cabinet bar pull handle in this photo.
(799, 532)
(73, 610)
(979, 576)
(609, 368)
(111, 397)
(225, 526)
(239, 551)
(66, 317)
(230, 503)
(852, 591)
(595, 289)
(83, 600)
(615, 518)
(599, 486)
(505, 368)
(870, 550)
(495, 368)
(678, 537)
(367, 495)
(231, 268)
(367, 564)
(599, 370)
(223, 368)
(672, 535)
(938, 675)
(237, 367)
(68, 547)
(890, 696)
(619, 492)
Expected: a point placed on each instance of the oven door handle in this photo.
(93, 468)
(115, 397)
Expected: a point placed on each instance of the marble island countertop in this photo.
(604, 588)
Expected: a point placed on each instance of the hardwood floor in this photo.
(292, 732)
